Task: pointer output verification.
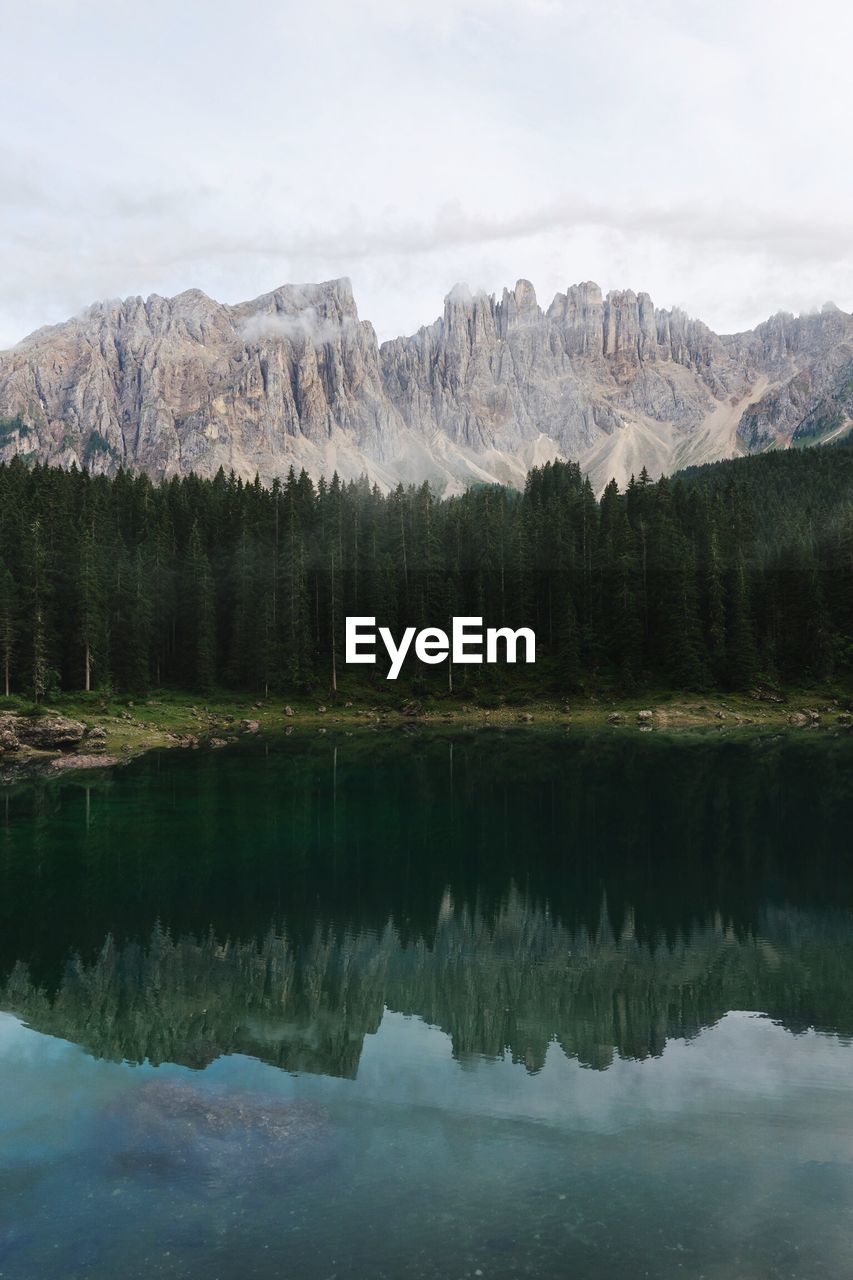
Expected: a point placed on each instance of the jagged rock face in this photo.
(493, 375)
(295, 378)
(187, 384)
(815, 402)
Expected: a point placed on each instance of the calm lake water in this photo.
(427, 1006)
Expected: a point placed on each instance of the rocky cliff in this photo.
(295, 378)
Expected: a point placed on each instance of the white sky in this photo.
(700, 151)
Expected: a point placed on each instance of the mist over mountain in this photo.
(494, 386)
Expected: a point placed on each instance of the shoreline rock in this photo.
(84, 762)
(50, 732)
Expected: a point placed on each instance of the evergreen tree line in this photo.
(717, 578)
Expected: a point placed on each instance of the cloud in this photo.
(308, 326)
(648, 146)
(798, 238)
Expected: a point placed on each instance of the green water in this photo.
(429, 1006)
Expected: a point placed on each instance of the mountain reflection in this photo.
(602, 896)
(513, 982)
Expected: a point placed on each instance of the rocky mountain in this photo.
(295, 378)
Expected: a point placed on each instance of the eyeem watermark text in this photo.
(467, 642)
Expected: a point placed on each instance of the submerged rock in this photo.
(233, 1133)
(83, 761)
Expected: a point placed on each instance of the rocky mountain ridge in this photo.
(296, 378)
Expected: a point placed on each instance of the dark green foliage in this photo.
(199, 633)
(95, 445)
(88, 604)
(719, 577)
(818, 424)
(10, 427)
(8, 617)
(831, 413)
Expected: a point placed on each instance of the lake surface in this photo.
(497, 1005)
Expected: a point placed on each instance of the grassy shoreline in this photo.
(132, 726)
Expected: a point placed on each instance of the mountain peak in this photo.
(294, 378)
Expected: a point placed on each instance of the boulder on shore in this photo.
(46, 733)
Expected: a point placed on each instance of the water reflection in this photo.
(487, 1006)
(602, 897)
(512, 982)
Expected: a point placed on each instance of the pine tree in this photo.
(138, 661)
(37, 578)
(292, 595)
(90, 604)
(200, 615)
(740, 633)
(715, 608)
(199, 582)
(245, 636)
(8, 626)
(569, 645)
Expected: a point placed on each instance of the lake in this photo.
(431, 1005)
